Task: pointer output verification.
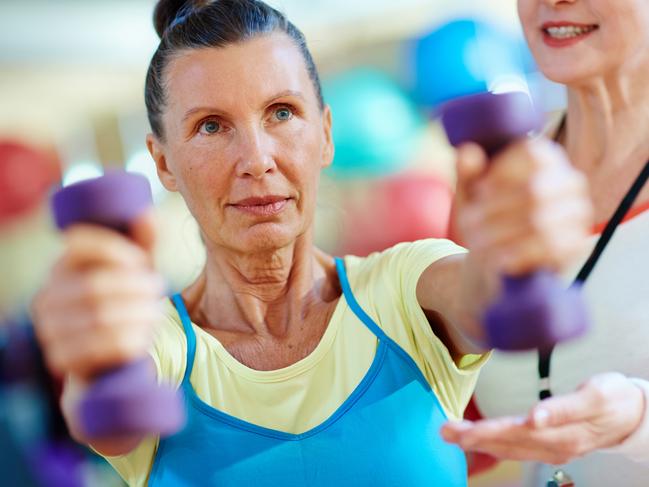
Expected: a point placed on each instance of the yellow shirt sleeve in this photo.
(385, 285)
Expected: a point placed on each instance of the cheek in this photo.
(301, 151)
(202, 179)
(626, 25)
(631, 38)
(527, 15)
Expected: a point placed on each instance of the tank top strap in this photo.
(189, 335)
(353, 304)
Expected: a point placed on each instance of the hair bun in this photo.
(166, 11)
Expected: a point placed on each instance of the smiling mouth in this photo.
(569, 31)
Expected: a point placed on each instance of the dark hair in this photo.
(194, 24)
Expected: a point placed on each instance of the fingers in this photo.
(119, 334)
(471, 166)
(522, 254)
(143, 231)
(516, 439)
(80, 302)
(591, 400)
(519, 160)
(91, 245)
(529, 210)
(90, 290)
(520, 245)
(470, 432)
(560, 410)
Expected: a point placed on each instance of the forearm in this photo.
(73, 391)
(458, 289)
(479, 286)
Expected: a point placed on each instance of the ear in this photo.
(157, 151)
(328, 151)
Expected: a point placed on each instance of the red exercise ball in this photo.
(404, 208)
(26, 174)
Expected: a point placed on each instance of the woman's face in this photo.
(576, 40)
(245, 141)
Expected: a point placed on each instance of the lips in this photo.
(565, 33)
(262, 205)
(260, 200)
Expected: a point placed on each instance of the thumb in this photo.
(143, 231)
(471, 165)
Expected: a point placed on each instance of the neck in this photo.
(608, 119)
(263, 293)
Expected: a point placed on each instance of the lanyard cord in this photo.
(545, 355)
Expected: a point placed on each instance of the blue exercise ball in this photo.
(460, 58)
(375, 124)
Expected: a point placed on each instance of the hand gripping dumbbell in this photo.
(534, 310)
(126, 400)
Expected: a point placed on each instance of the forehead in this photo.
(241, 73)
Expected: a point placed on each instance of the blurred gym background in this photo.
(71, 104)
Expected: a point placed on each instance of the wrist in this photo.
(74, 388)
(635, 444)
(639, 410)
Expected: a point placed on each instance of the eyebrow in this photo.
(276, 96)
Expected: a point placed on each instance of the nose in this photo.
(255, 157)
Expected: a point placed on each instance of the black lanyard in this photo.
(545, 355)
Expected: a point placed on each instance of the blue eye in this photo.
(283, 114)
(210, 127)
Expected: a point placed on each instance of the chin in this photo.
(570, 73)
(572, 66)
(266, 237)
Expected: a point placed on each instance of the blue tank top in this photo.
(386, 433)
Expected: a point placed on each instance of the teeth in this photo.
(568, 31)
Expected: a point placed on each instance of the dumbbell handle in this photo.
(126, 400)
(535, 310)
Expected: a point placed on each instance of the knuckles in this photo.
(550, 196)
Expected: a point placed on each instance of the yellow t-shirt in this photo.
(299, 397)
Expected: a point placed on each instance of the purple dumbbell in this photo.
(127, 400)
(536, 310)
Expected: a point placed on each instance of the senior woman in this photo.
(299, 369)
(599, 49)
